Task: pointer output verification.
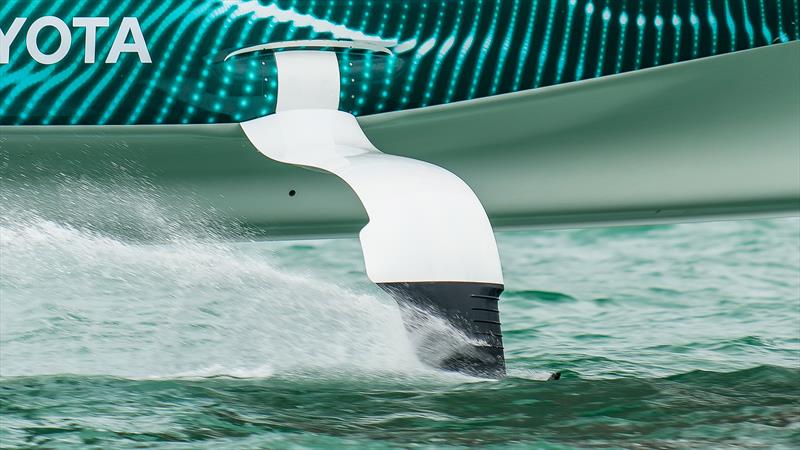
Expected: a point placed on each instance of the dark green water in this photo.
(746, 408)
(683, 336)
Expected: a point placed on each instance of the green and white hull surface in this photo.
(713, 137)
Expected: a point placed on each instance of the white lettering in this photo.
(8, 37)
(63, 46)
(129, 29)
(130, 25)
(91, 24)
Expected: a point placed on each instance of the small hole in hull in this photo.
(292, 193)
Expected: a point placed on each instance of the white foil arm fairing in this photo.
(425, 224)
(428, 241)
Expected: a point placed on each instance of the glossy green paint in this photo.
(448, 50)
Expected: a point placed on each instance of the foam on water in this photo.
(178, 301)
(178, 337)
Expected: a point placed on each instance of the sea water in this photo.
(123, 326)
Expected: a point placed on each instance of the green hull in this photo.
(716, 137)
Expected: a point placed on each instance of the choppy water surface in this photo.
(669, 336)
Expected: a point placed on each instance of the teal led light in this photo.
(764, 28)
(484, 51)
(365, 12)
(367, 85)
(270, 82)
(111, 74)
(53, 80)
(6, 8)
(641, 23)
(292, 28)
(443, 50)
(463, 53)
(748, 26)
(390, 66)
(587, 24)
(21, 78)
(446, 50)
(601, 49)
(157, 17)
(345, 66)
(504, 48)
(251, 75)
(562, 56)
(543, 53)
(731, 25)
(270, 28)
(412, 71)
(712, 23)
(175, 35)
(695, 22)
(526, 46)
(387, 9)
(98, 87)
(384, 93)
(623, 27)
(328, 12)
(215, 48)
(426, 48)
(796, 21)
(676, 45)
(271, 88)
(184, 64)
(659, 24)
(30, 11)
